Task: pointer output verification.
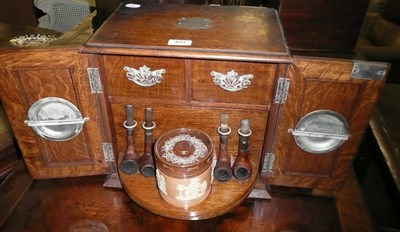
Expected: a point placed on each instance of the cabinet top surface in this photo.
(245, 32)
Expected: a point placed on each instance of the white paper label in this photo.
(131, 5)
(179, 42)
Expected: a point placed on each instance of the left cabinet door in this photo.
(54, 115)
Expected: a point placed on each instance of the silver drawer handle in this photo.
(144, 76)
(319, 135)
(231, 81)
(33, 123)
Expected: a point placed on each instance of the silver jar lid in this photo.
(183, 152)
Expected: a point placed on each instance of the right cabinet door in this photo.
(323, 120)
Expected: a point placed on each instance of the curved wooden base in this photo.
(223, 197)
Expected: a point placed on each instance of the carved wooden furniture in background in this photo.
(385, 128)
(8, 147)
(19, 12)
(320, 25)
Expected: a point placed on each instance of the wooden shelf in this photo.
(223, 197)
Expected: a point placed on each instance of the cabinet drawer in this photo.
(145, 77)
(232, 82)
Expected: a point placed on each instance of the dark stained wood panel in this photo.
(12, 189)
(105, 8)
(247, 31)
(324, 25)
(21, 12)
(8, 148)
(386, 129)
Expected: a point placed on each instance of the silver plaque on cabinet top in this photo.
(55, 119)
(194, 23)
(320, 131)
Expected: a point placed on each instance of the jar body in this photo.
(184, 192)
(184, 166)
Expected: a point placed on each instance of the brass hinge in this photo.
(108, 152)
(94, 80)
(268, 162)
(282, 90)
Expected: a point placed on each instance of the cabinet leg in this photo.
(261, 191)
(112, 181)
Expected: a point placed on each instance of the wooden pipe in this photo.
(242, 167)
(129, 163)
(146, 161)
(223, 170)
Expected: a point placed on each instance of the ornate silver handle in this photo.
(144, 76)
(231, 81)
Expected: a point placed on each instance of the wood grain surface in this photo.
(82, 203)
(32, 74)
(238, 38)
(322, 84)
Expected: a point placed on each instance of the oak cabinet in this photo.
(190, 65)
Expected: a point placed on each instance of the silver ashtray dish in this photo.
(321, 131)
(34, 40)
(55, 119)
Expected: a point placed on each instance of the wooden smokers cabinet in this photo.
(190, 64)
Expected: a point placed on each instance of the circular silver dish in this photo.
(321, 131)
(55, 119)
(35, 40)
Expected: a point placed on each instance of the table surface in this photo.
(83, 204)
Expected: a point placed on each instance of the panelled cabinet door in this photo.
(48, 98)
(322, 122)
